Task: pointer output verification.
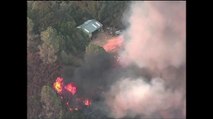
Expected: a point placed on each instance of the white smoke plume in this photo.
(154, 39)
(136, 97)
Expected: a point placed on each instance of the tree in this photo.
(62, 42)
(69, 59)
(32, 38)
(47, 53)
(51, 104)
(67, 27)
(81, 40)
(37, 10)
(29, 31)
(115, 7)
(93, 49)
(50, 46)
(76, 42)
(29, 25)
(38, 74)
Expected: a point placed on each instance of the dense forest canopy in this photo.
(54, 42)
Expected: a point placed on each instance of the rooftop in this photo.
(90, 26)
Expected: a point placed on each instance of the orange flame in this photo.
(58, 85)
(113, 44)
(71, 88)
(87, 102)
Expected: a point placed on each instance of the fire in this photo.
(71, 88)
(113, 44)
(87, 102)
(58, 85)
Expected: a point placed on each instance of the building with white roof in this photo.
(90, 26)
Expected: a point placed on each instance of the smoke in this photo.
(155, 37)
(151, 80)
(154, 40)
(92, 75)
(135, 97)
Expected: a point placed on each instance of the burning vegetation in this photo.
(113, 44)
(69, 95)
(138, 74)
(58, 85)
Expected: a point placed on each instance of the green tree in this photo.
(50, 47)
(93, 49)
(66, 27)
(30, 25)
(76, 42)
(32, 38)
(111, 13)
(47, 53)
(38, 74)
(51, 104)
(29, 32)
(69, 59)
(44, 14)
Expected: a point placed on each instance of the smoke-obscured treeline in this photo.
(54, 43)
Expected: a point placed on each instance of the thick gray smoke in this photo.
(155, 40)
(92, 76)
(151, 82)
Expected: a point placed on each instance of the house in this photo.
(90, 26)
